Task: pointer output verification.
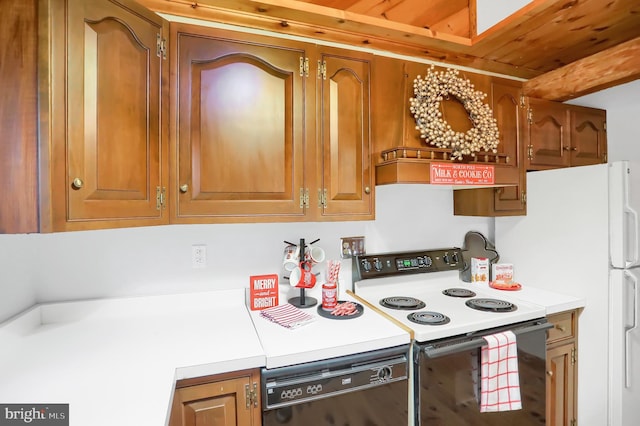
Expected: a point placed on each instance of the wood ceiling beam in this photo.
(617, 65)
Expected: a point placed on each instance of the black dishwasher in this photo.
(362, 389)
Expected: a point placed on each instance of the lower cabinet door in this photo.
(231, 402)
(560, 385)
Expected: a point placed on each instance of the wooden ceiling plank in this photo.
(415, 13)
(457, 24)
(617, 65)
(420, 47)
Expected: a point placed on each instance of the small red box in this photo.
(263, 291)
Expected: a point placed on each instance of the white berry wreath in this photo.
(425, 107)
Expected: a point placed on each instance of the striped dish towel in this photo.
(287, 316)
(499, 379)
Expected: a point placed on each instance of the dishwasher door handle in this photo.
(434, 351)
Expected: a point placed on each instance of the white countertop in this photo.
(552, 302)
(325, 338)
(116, 359)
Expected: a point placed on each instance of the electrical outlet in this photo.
(351, 246)
(199, 255)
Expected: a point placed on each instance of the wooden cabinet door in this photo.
(106, 140)
(507, 200)
(239, 128)
(560, 385)
(508, 112)
(346, 181)
(220, 403)
(548, 135)
(588, 136)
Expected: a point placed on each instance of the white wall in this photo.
(155, 260)
(19, 262)
(490, 12)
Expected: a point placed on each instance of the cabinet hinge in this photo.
(523, 198)
(522, 101)
(530, 152)
(530, 115)
(304, 67)
(604, 126)
(161, 196)
(574, 422)
(573, 356)
(322, 198)
(251, 395)
(304, 198)
(322, 69)
(161, 46)
(604, 157)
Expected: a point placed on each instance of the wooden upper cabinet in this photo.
(548, 135)
(266, 129)
(346, 177)
(509, 200)
(509, 113)
(588, 135)
(102, 118)
(239, 127)
(562, 135)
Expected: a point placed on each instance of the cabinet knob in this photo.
(367, 190)
(550, 373)
(77, 183)
(184, 188)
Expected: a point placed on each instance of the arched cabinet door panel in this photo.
(104, 135)
(240, 126)
(344, 93)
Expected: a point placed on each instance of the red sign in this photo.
(462, 174)
(263, 291)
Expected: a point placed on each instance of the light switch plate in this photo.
(351, 246)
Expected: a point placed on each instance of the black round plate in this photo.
(327, 314)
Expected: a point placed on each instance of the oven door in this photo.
(448, 382)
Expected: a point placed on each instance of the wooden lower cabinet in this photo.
(562, 369)
(229, 399)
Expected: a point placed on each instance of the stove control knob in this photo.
(455, 257)
(366, 265)
(445, 258)
(377, 264)
(427, 261)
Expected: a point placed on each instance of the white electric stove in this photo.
(422, 290)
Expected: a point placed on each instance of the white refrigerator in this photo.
(580, 237)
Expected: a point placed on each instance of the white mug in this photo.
(291, 258)
(314, 254)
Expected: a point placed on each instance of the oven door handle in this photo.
(432, 351)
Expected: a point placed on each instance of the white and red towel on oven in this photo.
(499, 378)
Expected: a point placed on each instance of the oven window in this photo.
(381, 405)
(449, 388)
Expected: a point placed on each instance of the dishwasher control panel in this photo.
(297, 384)
(415, 262)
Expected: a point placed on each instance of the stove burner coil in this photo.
(402, 302)
(458, 292)
(428, 318)
(491, 305)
